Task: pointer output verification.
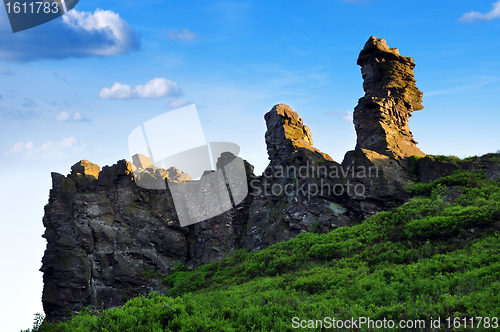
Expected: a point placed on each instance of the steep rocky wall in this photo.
(103, 235)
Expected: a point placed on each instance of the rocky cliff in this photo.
(109, 240)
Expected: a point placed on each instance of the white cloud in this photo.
(78, 117)
(118, 90)
(119, 32)
(177, 103)
(78, 34)
(156, 88)
(48, 150)
(65, 116)
(476, 16)
(184, 35)
(344, 116)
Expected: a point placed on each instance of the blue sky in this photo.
(76, 87)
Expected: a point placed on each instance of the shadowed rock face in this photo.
(382, 115)
(103, 235)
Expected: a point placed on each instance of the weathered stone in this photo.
(286, 133)
(85, 175)
(382, 115)
(381, 179)
(452, 194)
(175, 175)
(141, 161)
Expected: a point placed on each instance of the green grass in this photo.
(446, 158)
(422, 260)
(494, 157)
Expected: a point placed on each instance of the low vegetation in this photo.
(438, 255)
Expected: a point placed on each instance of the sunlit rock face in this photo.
(382, 115)
(103, 236)
(286, 133)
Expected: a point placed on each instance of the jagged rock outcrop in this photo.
(103, 236)
(286, 133)
(109, 239)
(381, 117)
(296, 192)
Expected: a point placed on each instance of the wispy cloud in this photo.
(184, 35)
(482, 81)
(473, 16)
(49, 150)
(16, 113)
(177, 103)
(78, 34)
(156, 88)
(341, 115)
(65, 116)
(5, 72)
(29, 103)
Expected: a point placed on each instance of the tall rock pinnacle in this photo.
(381, 117)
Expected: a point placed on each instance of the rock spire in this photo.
(381, 117)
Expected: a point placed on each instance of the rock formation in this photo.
(103, 236)
(286, 133)
(295, 194)
(381, 117)
(109, 240)
(384, 140)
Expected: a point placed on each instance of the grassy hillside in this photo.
(428, 258)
